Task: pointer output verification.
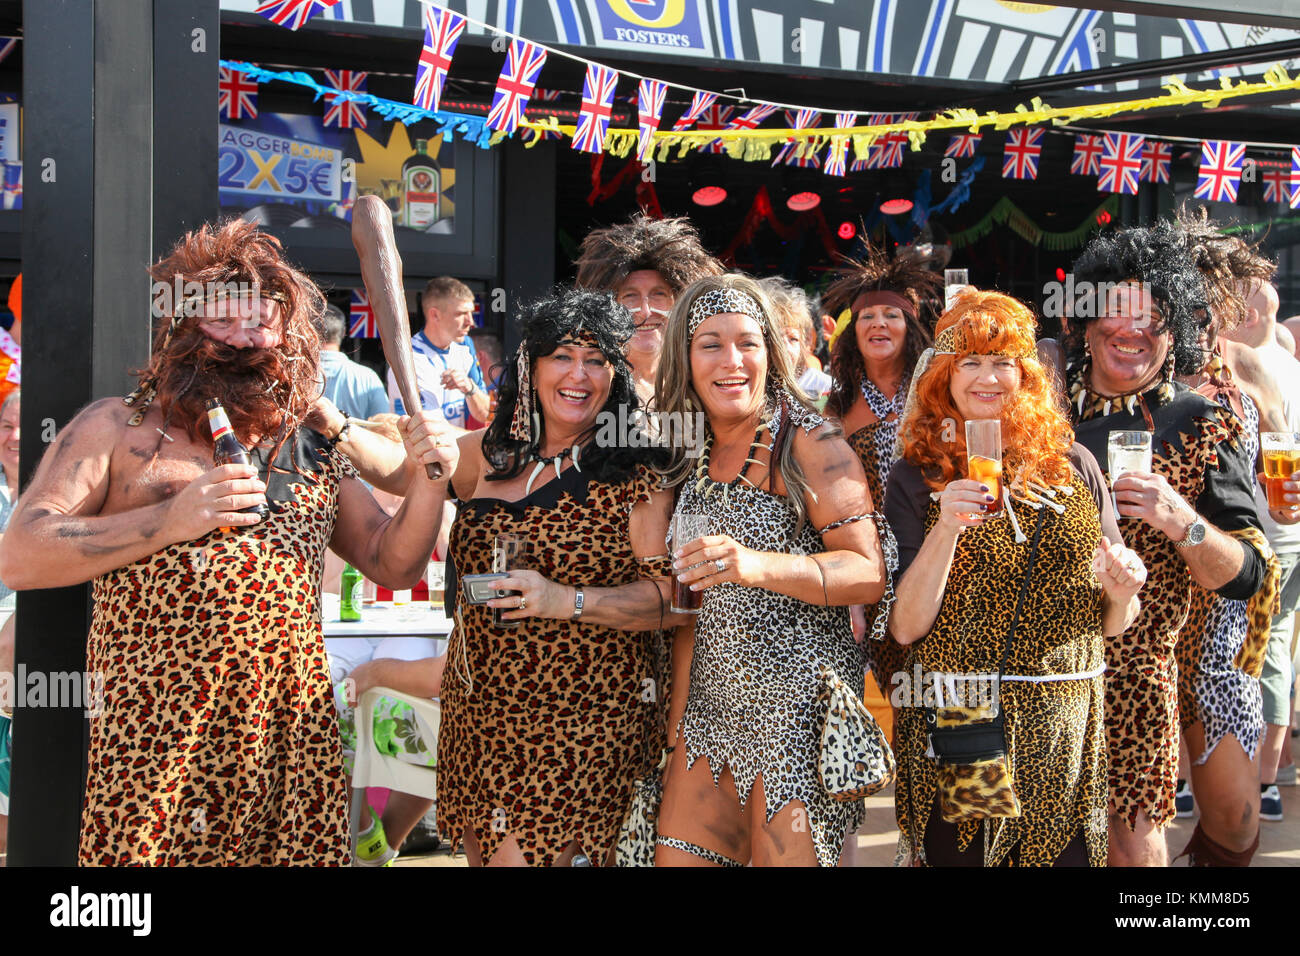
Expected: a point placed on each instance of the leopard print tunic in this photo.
(1197, 448)
(218, 743)
(1211, 689)
(547, 726)
(753, 704)
(1054, 729)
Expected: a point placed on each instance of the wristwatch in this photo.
(1195, 534)
(577, 603)
(473, 389)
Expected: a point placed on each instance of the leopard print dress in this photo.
(218, 743)
(753, 704)
(1198, 449)
(1211, 689)
(547, 726)
(1056, 746)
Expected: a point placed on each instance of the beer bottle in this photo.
(226, 449)
(350, 594)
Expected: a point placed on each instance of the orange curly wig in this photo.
(1036, 436)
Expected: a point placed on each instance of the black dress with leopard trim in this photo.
(546, 727)
(874, 446)
(1198, 449)
(753, 705)
(218, 742)
(1052, 696)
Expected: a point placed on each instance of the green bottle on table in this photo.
(350, 594)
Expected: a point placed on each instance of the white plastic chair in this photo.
(370, 768)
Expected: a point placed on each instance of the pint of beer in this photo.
(685, 529)
(984, 458)
(1281, 459)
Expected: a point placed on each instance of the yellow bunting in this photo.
(756, 144)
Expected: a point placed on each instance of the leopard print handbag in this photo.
(855, 759)
(636, 839)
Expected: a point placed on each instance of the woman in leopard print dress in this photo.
(1056, 547)
(891, 302)
(549, 720)
(788, 550)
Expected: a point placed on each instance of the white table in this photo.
(382, 619)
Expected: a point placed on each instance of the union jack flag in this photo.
(699, 103)
(1220, 171)
(1087, 154)
(1277, 184)
(963, 145)
(1156, 157)
(715, 117)
(1295, 177)
(442, 29)
(839, 145)
(545, 96)
(891, 144)
(597, 107)
(293, 13)
(650, 109)
(875, 151)
(804, 119)
(236, 95)
(752, 117)
(362, 324)
(515, 85)
(344, 113)
(1020, 155)
(1120, 163)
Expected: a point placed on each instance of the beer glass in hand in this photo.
(685, 529)
(1281, 459)
(984, 458)
(509, 553)
(1127, 452)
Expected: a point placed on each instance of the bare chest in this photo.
(141, 476)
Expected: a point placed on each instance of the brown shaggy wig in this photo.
(266, 392)
(879, 273)
(670, 247)
(1226, 262)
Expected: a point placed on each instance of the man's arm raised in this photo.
(57, 537)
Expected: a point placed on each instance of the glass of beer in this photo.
(1127, 452)
(685, 529)
(954, 280)
(509, 553)
(984, 458)
(435, 577)
(1281, 459)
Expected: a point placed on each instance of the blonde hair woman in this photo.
(787, 553)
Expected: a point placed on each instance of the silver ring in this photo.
(522, 603)
(720, 565)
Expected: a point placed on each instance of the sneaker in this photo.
(372, 845)
(1270, 803)
(1184, 802)
(1286, 776)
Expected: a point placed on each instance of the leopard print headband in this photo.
(723, 300)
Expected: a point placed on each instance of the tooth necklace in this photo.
(573, 453)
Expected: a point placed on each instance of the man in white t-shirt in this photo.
(1258, 331)
(445, 367)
